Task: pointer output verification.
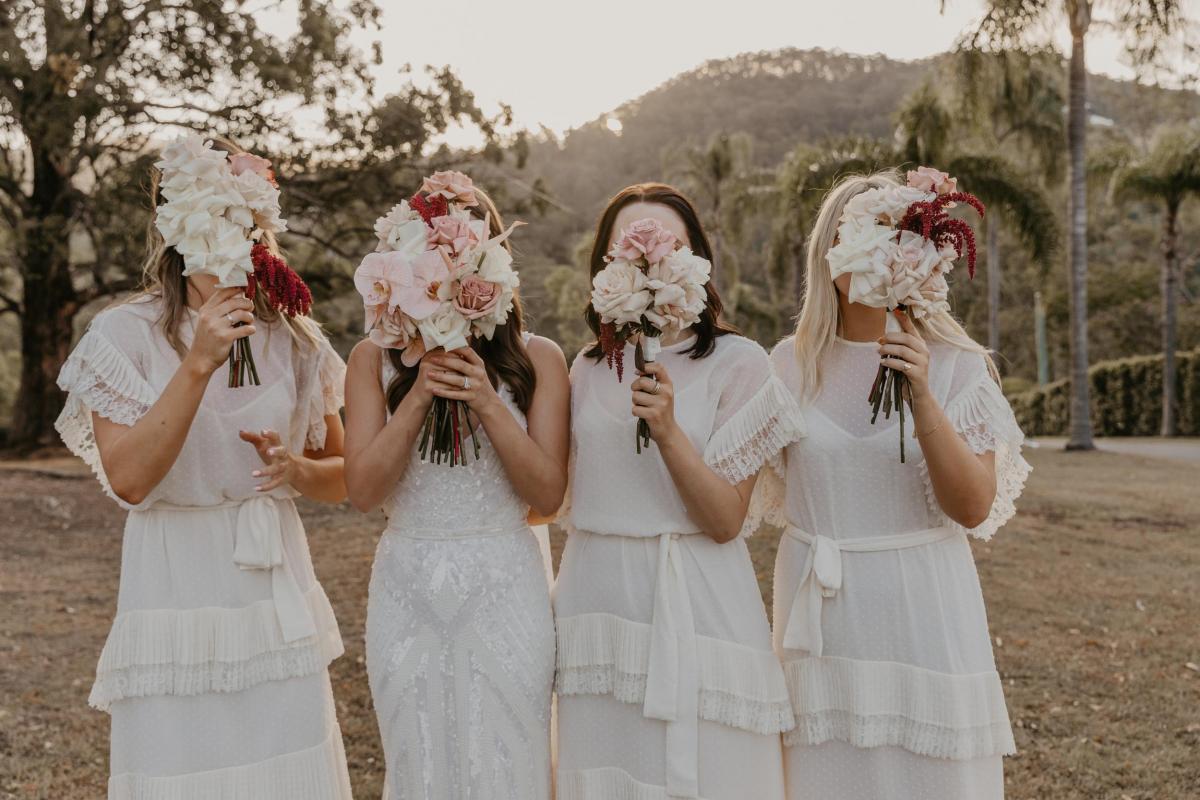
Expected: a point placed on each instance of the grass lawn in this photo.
(1092, 594)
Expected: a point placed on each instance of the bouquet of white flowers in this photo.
(651, 285)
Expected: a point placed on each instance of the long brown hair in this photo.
(163, 278)
(710, 325)
(504, 355)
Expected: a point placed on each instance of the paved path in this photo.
(1185, 448)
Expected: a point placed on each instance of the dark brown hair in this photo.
(710, 325)
(504, 355)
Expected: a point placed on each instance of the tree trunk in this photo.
(993, 283)
(1080, 429)
(1170, 306)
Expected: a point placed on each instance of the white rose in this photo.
(223, 250)
(445, 328)
(402, 230)
(886, 205)
(677, 283)
(619, 293)
(864, 250)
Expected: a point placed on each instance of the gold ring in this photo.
(654, 388)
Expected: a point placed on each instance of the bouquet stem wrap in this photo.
(648, 348)
(890, 389)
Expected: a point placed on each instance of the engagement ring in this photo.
(466, 383)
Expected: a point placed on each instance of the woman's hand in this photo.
(215, 328)
(907, 352)
(654, 401)
(461, 375)
(280, 469)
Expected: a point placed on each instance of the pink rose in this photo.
(454, 186)
(248, 162)
(419, 287)
(476, 297)
(928, 179)
(453, 232)
(645, 238)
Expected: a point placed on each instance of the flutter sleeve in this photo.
(321, 392)
(979, 412)
(104, 376)
(757, 416)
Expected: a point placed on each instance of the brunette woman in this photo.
(667, 686)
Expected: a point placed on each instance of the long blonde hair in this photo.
(163, 278)
(820, 315)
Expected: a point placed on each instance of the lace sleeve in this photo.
(981, 415)
(756, 418)
(100, 377)
(325, 393)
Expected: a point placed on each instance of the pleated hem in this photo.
(605, 783)
(202, 650)
(739, 686)
(884, 703)
(318, 773)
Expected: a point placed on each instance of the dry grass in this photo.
(1092, 593)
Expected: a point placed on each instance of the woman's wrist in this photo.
(670, 437)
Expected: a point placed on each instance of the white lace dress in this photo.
(460, 638)
(879, 618)
(214, 672)
(667, 685)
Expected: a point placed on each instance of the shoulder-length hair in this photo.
(504, 355)
(710, 325)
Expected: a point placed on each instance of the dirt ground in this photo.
(1092, 593)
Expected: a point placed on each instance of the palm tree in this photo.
(1147, 26)
(1016, 100)
(1166, 173)
(929, 134)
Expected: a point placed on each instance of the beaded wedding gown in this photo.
(460, 638)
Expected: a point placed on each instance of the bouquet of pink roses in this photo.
(437, 280)
(651, 285)
(898, 243)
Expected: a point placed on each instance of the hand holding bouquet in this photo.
(652, 285)
(437, 279)
(898, 243)
(218, 208)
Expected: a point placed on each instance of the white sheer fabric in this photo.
(879, 618)
(215, 669)
(460, 638)
(666, 682)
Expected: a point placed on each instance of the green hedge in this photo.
(1126, 399)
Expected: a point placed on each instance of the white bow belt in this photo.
(259, 545)
(673, 675)
(821, 577)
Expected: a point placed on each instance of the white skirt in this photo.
(215, 671)
(667, 684)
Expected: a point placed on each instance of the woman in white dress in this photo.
(667, 684)
(215, 671)
(460, 637)
(879, 618)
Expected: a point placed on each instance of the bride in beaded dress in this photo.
(460, 636)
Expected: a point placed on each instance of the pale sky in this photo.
(563, 62)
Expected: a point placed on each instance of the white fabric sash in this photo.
(673, 676)
(259, 545)
(821, 577)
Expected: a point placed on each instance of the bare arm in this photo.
(964, 482)
(377, 448)
(136, 458)
(716, 505)
(535, 460)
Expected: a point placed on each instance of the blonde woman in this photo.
(879, 618)
(215, 670)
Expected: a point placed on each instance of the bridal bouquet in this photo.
(651, 285)
(218, 206)
(436, 279)
(898, 243)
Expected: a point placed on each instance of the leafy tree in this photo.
(1150, 28)
(88, 89)
(1167, 173)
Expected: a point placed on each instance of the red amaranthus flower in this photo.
(613, 347)
(286, 291)
(931, 221)
(430, 208)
